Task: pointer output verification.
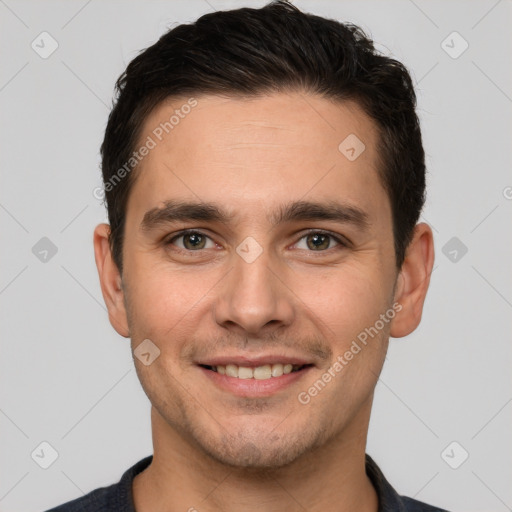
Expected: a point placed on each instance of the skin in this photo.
(215, 450)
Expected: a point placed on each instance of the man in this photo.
(264, 176)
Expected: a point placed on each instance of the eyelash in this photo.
(334, 237)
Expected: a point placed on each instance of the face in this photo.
(288, 262)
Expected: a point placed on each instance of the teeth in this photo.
(245, 373)
(231, 370)
(277, 370)
(264, 372)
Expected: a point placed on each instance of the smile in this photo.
(263, 372)
(256, 381)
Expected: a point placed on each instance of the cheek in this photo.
(347, 300)
(163, 301)
(351, 303)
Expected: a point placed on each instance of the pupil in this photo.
(194, 239)
(319, 241)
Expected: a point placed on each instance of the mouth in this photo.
(263, 372)
(252, 379)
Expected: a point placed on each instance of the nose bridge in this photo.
(251, 295)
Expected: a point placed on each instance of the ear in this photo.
(413, 281)
(110, 281)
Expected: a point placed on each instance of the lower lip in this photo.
(254, 387)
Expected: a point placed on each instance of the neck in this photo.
(182, 478)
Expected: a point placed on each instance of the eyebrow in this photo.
(173, 211)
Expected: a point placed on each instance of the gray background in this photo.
(68, 378)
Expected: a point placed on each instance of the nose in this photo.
(254, 298)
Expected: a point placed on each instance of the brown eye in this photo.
(319, 241)
(191, 241)
(194, 241)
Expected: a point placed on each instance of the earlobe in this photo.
(413, 281)
(110, 280)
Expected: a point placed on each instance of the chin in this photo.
(251, 441)
(257, 450)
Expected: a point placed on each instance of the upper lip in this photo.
(254, 361)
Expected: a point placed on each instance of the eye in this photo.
(192, 241)
(319, 241)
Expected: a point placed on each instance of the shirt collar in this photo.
(389, 500)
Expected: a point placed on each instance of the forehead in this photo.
(259, 150)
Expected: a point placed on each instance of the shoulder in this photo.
(97, 501)
(411, 505)
(389, 499)
(116, 497)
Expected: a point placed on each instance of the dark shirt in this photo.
(118, 497)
